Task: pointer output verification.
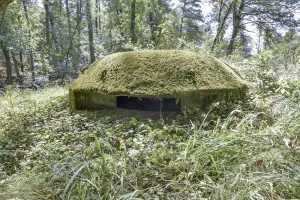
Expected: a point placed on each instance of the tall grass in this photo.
(242, 150)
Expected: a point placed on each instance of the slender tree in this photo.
(68, 18)
(183, 9)
(78, 26)
(151, 24)
(21, 61)
(99, 15)
(5, 50)
(263, 13)
(7, 63)
(238, 8)
(96, 15)
(225, 8)
(47, 21)
(90, 30)
(30, 50)
(16, 64)
(132, 22)
(191, 18)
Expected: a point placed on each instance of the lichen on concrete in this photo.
(159, 73)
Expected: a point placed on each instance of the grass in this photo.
(242, 150)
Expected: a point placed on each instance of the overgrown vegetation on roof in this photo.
(158, 73)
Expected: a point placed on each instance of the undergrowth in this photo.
(241, 150)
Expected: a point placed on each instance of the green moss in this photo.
(157, 73)
(160, 73)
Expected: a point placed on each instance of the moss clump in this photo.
(161, 73)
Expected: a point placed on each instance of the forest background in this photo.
(57, 38)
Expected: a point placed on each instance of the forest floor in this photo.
(240, 150)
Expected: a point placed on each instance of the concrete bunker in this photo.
(159, 81)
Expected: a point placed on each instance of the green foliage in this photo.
(278, 68)
(241, 150)
(58, 38)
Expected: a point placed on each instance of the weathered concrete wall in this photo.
(93, 100)
(89, 100)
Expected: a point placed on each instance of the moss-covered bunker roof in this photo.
(158, 73)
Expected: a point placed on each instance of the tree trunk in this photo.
(110, 35)
(78, 26)
(90, 28)
(181, 23)
(237, 18)
(32, 66)
(69, 53)
(53, 33)
(267, 38)
(47, 13)
(68, 17)
(60, 6)
(15, 64)
(132, 22)
(182, 18)
(221, 24)
(151, 24)
(21, 62)
(99, 16)
(5, 51)
(96, 16)
(78, 18)
(7, 63)
(30, 51)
